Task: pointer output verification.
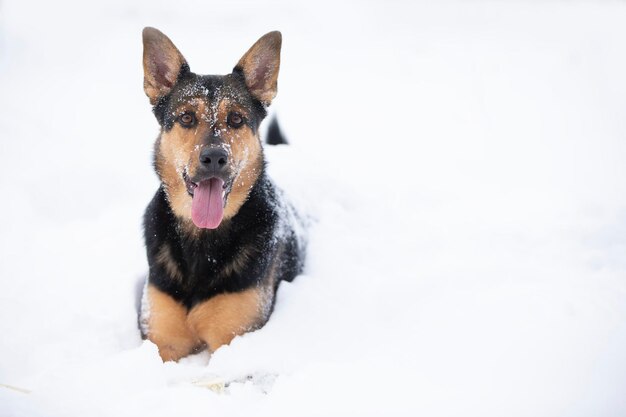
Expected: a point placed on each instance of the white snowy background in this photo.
(466, 166)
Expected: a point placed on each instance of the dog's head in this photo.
(208, 155)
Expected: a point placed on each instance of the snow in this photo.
(463, 162)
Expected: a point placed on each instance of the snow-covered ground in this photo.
(465, 164)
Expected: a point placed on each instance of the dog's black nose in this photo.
(214, 159)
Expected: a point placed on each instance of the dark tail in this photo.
(274, 135)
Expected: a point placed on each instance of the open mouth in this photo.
(191, 186)
(208, 200)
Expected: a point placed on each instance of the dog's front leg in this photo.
(167, 326)
(219, 319)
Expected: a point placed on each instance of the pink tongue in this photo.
(207, 208)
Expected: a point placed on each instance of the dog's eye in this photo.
(187, 119)
(235, 119)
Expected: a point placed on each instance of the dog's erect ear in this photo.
(260, 67)
(162, 63)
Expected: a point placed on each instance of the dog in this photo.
(219, 235)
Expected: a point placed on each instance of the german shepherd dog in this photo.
(219, 235)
